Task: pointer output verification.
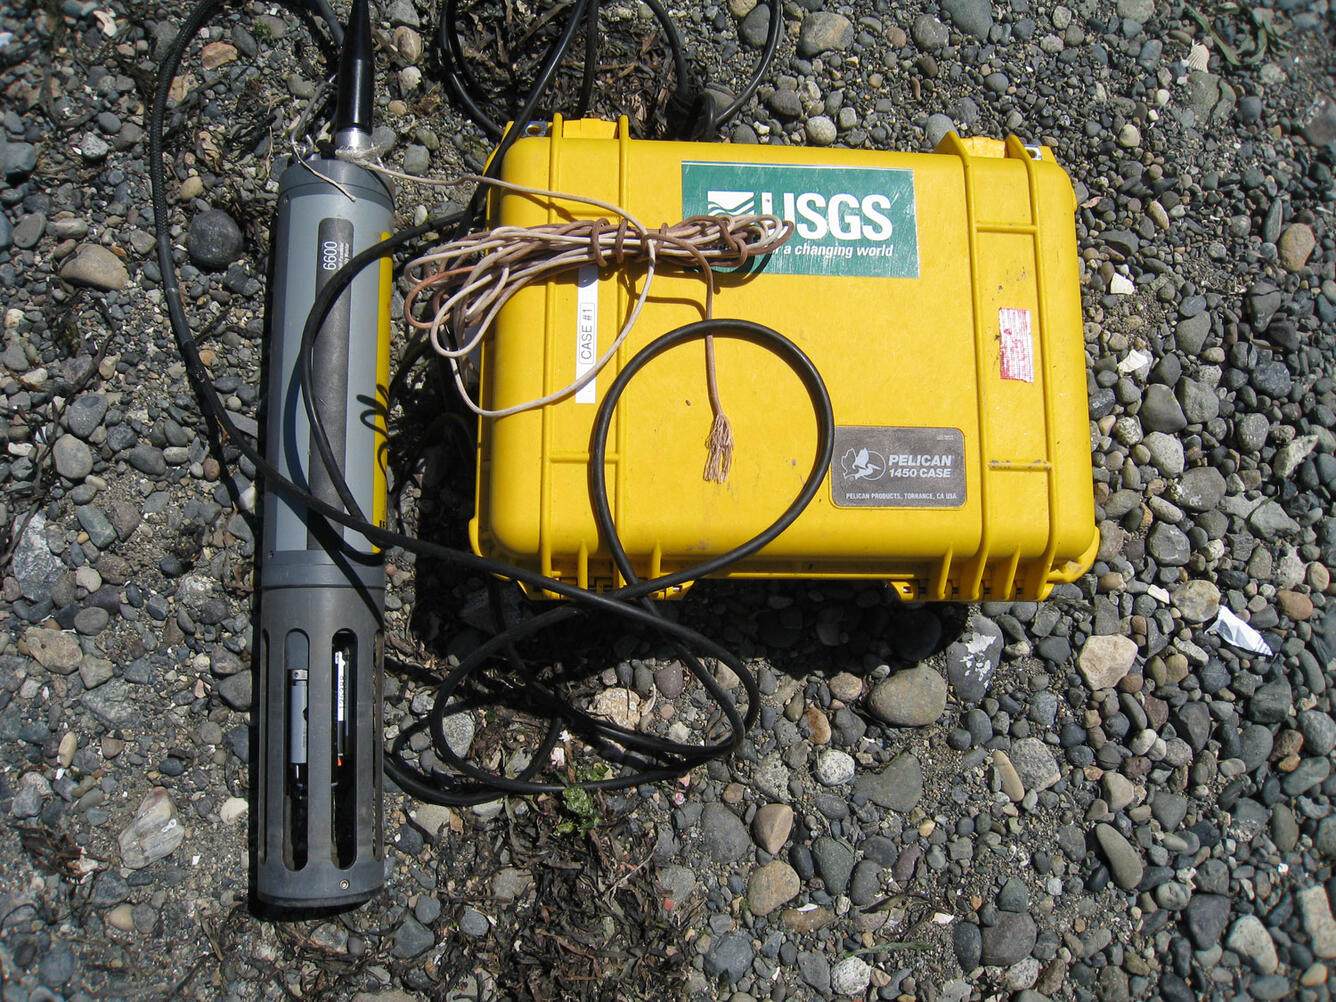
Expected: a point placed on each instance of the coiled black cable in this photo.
(631, 601)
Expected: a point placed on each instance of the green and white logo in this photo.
(847, 220)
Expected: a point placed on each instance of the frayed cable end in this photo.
(720, 444)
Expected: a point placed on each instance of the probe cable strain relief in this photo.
(691, 112)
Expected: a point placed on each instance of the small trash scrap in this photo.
(1235, 631)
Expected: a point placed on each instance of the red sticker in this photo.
(1017, 345)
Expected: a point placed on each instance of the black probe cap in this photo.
(356, 72)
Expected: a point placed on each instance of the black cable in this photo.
(675, 757)
(767, 56)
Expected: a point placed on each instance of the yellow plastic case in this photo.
(936, 293)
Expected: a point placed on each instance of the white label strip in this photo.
(586, 331)
(1017, 345)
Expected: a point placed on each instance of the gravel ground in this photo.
(1095, 797)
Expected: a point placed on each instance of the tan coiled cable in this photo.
(461, 286)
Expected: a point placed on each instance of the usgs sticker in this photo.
(898, 468)
(847, 220)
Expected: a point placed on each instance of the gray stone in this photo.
(1250, 431)
(91, 621)
(1207, 915)
(898, 787)
(1272, 379)
(147, 459)
(1310, 772)
(53, 649)
(937, 128)
(771, 826)
(1014, 896)
(851, 976)
(213, 240)
(1190, 334)
(1201, 488)
(85, 413)
(17, 159)
(1319, 732)
(1124, 862)
(723, 834)
(29, 230)
(814, 968)
(1009, 941)
(1270, 520)
(1168, 545)
(756, 25)
(1169, 809)
(34, 566)
(95, 522)
(786, 103)
(1160, 410)
(1271, 703)
(1315, 907)
(97, 267)
(971, 661)
(413, 938)
(729, 956)
(1034, 763)
(823, 31)
(417, 159)
(973, 17)
(1199, 401)
(153, 833)
(911, 698)
(236, 690)
(116, 703)
(929, 33)
(834, 767)
(1166, 453)
(834, 862)
(1319, 121)
(967, 941)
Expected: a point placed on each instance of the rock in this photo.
(851, 976)
(236, 690)
(970, 662)
(474, 923)
(97, 267)
(914, 697)
(85, 413)
(755, 26)
(967, 941)
(723, 834)
(413, 938)
(1008, 777)
(1118, 791)
(1034, 763)
(1319, 731)
(898, 787)
(937, 128)
(1124, 863)
(53, 649)
(1201, 488)
(213, 240)
(233, 810)
(834, 768)
(1008, 941)
(1272, 379)
(1160, 410)
(814, 968)
(1270, 520)
(1197, 601)
(786, 103)
(821, 130)
(730, 956)
(1166, 453)
(823, 31)
(834, 862)
(17, 160)
(34, 566)
(1105, 660)
(1315, 907)
(929, 33)
(1271, 703)
(1319, 121)
(1295, 246)
(973, 17)
(771, 886)
(1207, 915)
(1191, 333)
(73, 458)
(115, 703)
(1168, 545)
(153, 833)
(771, 826)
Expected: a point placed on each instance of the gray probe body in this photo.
(322, 587)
